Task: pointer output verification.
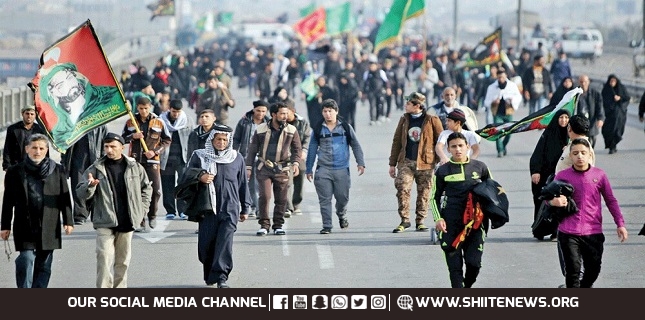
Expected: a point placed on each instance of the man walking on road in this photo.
(276, 146)
(460, 221)
(413, 154)
(120, 192)
(330, 142)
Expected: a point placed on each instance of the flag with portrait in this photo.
(75, 89)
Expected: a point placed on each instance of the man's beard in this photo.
(73, 94)
(282, 123)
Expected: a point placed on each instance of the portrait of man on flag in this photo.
(73, 98)
(75, 89)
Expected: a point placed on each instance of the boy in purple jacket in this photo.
(580, 234)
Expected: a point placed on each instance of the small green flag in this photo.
(309, 87)
(339, 19)
(400, 11)
(308, 9)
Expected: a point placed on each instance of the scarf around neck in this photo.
(210, 157)
(180, 123)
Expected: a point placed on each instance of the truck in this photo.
(582, 43)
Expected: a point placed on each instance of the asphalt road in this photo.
(368, 254)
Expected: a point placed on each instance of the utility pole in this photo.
(519, 26)
(455, 31)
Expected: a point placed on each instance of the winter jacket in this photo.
(427, 156)
(34, 226)
(139, 190)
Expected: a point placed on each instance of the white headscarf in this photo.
(210, 156)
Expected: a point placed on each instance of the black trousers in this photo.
(152, 170)
(470, 252)
(215, 245)
(169, 178)
(78, 165)
(579, 251)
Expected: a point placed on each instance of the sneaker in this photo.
(170, 216)
(401, 227)
(79, 222)
(152, 223)
(222, 284)
(251, 214)
(183, 216)
(279, 232)
(297, 212)
(287, 214)
(372, 123)
(344, 224)
(262, 232)
(422, 227)
(325, 231)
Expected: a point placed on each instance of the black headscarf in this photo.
(554, 132)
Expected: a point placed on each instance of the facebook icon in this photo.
(280, 302)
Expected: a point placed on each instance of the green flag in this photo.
(400, 11)
(309, 87)
(339, 19)
(308, 9)
(225, 18)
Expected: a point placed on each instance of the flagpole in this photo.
(136, 126)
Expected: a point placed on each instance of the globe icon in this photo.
(405, 302)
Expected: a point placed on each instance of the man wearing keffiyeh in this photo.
(221, 191)
(174, 158)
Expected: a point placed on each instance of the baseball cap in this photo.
(416, 97)
(111, 136)
(457, 115)
(27, 108)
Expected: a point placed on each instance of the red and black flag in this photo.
(75, 88)
(487, 51)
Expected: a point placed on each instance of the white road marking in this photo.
(325, 257)
(157, 233)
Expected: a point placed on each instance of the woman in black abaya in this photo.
(615, 101)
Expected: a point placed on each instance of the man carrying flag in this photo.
(503, 97)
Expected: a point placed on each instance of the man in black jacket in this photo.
(590, 106)
(76, 159)
(35, 197)
(17, 137)
(243, 132)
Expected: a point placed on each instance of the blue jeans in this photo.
(34, 268)
(537, 104)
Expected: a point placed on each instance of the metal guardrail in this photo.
(11, 101)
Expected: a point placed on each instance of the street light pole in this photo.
(519, 25)
(455, 31)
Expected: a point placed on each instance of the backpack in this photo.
(317, 128)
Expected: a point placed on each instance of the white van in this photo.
(582, 43)
(596, 36)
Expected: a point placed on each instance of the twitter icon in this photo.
(359, 302)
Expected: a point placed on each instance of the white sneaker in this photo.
(279, 232)
(262, 232)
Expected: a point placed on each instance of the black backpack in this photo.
(317, 128)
